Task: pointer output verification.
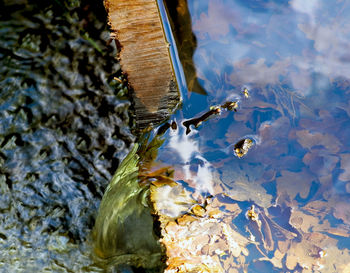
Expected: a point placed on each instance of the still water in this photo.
(61, 139)
(287, 65)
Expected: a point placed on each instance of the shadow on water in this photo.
(64, 126)
(180, 20)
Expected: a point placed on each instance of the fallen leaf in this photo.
(232, 270)
(216, 23)
(342, 211)
(318, 208)
(248, 191)
(302, 221)
(215, 213)
(310, 139)
(198, 210)
(345, 166)
(339, 231)
(305, 253)
(276, 260)
(283, 246)
(294, 183)
(185, 220)
(320, 163)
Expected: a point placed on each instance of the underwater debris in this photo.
(230, 105)
(163, 128)
(242, 147)
(322, 253)
(200, 243)
(246, 92)
(198, 121)
(174, 125)
(252, 215)
(198, 210)
(214, 110)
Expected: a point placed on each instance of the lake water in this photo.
(293, 59)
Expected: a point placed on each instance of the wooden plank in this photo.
(144, 57)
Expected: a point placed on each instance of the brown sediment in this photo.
(144, 58)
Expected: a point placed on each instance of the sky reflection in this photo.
(187, 148)
(296, 41)
(293, 57)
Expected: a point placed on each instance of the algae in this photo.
(123, 232)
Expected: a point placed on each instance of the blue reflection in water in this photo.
(181, 82)
(293, 57)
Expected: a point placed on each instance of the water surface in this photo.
(293, 58)
(63, 130)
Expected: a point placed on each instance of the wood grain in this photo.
(144, 57)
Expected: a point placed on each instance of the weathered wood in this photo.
(144, 57)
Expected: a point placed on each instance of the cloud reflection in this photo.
(309, 7)
(294, 42)
(195, 167)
